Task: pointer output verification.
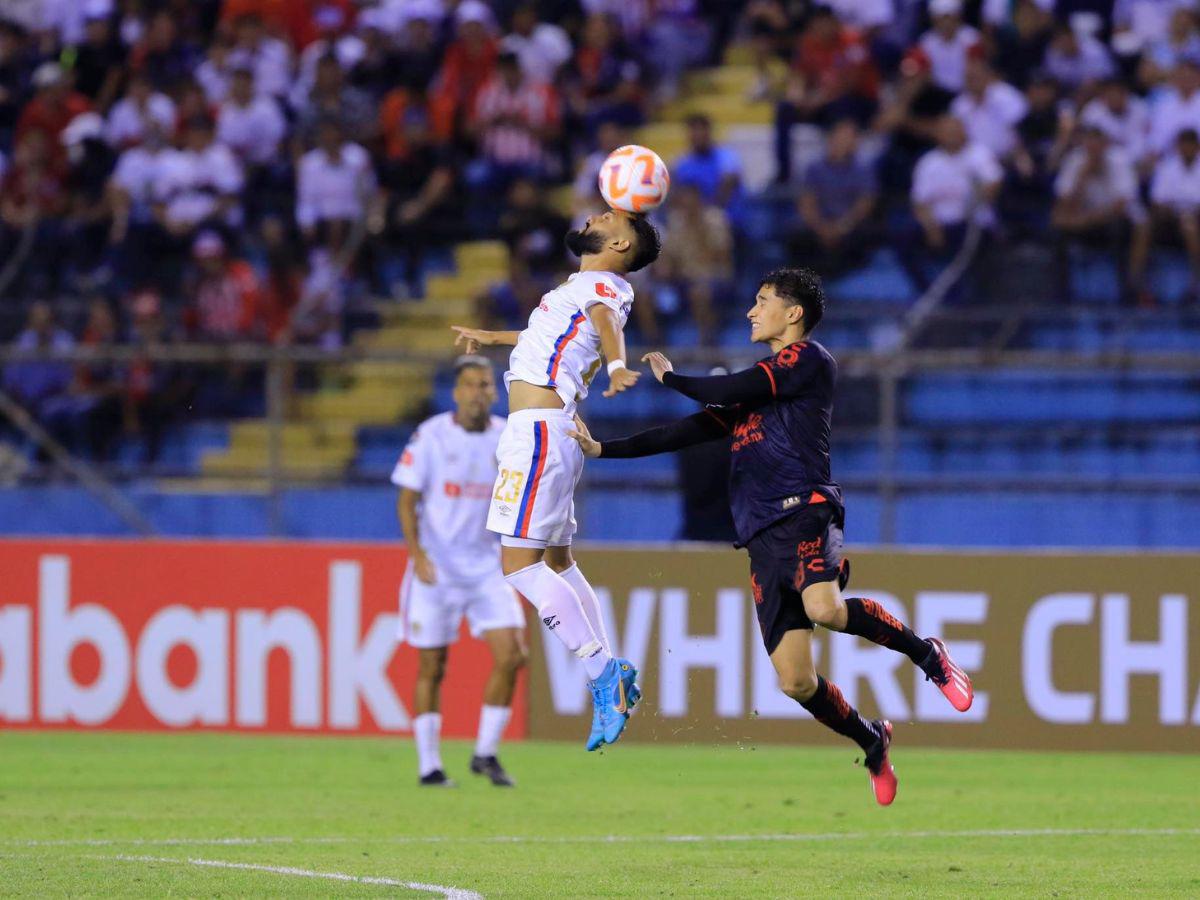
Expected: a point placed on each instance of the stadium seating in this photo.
(960, 425)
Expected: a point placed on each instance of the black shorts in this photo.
(801, 550)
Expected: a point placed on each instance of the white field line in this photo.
(451, 893)
(613, 838)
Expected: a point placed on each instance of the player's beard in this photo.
(584, 243)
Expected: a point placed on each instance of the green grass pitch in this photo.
(139, 815)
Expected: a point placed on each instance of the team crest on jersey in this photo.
(748, 431)
(406, 458)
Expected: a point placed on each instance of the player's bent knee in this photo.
(799, 687)
(824, 606)
(823, 614)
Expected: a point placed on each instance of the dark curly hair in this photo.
(799, 287)
(649, 244)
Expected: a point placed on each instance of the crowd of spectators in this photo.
(243, 170)
(1068, 121)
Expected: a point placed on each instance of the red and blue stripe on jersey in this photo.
(541, 444)
(560, 346)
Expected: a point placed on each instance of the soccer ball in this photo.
(634, 179)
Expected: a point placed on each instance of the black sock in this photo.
(830, 708)
(866, 618)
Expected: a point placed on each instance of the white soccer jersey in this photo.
(560, 348)
(454, 470)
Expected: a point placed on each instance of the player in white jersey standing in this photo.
(532, 508)
(445, 476)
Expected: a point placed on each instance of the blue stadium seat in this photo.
(1170, 277)
(646, 401)
(184, 447)
(629, 515)
(882, 280)
(662, 467)
(1049, 519)
(1014, 397)
(1094, 278)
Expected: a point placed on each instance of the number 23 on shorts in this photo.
(508, 486)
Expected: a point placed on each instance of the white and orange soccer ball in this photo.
(634, 179)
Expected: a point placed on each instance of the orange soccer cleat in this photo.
(946, 674)
(879, 767)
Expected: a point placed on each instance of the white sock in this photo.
(492, 722)
(590, 603)
(427, 732)
(562, 613)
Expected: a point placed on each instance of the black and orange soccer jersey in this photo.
(777, 417)
(780, 439)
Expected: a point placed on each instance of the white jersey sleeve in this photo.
(560, 348)
(412, 469)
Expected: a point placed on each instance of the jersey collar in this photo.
(622, 279)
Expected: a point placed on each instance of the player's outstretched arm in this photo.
(612, 344)
(695, 429)
(471, 339)
(751, 385)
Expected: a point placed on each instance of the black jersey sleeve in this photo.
(747, 386)
(796, 369)
(695, 429)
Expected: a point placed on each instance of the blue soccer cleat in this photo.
(614, 695)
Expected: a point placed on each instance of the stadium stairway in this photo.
(320, 434)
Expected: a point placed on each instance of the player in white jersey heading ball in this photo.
(445, 476)
(532, 507)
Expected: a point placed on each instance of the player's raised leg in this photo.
(562, 562)
(557, 604)
(611, 681)
(508, 658)
(868, 619)
(798, 678)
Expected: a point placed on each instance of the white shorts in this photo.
(533, 501)
(430, 614)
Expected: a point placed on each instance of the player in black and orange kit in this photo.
(788, 510)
